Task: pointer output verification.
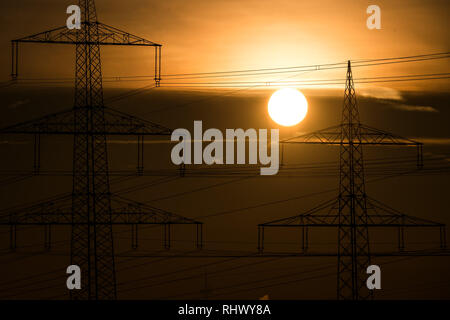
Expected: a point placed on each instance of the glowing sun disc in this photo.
(288, 107)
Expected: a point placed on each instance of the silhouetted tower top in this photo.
(350, 113)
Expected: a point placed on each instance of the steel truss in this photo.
(91, 210)
(352, 212)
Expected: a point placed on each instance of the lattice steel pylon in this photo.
(353, 235)
(89, 208)
(353, 212)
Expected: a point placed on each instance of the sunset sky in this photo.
(204, 36)
(222, 35)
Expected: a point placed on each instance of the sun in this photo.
(288, 107)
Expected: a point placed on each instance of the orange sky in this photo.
(203, 36)
(219, 35)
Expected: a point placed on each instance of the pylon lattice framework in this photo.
(352, 212)
(91, 210)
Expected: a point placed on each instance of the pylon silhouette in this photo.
(352, 212)
(91, 209)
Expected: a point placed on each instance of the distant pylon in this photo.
(353, 212)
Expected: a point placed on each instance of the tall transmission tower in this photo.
(353, 212)
(91, 210)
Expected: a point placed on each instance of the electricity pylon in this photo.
(352, 212)
(91, 210)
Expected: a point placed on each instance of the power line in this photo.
(265, 71)
(312, 80)
(269, 84)
(317, 66)
(258, 281)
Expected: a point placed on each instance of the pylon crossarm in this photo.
(369, 136)
(375, 136)
(58, 35)
(318, 214)
(107, 35)
(55, 123)
(116, 123)
(379, 213)
(380, 220)
(331, 135)
(327, 215)
(321, 224)
(123, 212)
(104, 35)
(122, 123)
(57, 211)
(366, 136)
